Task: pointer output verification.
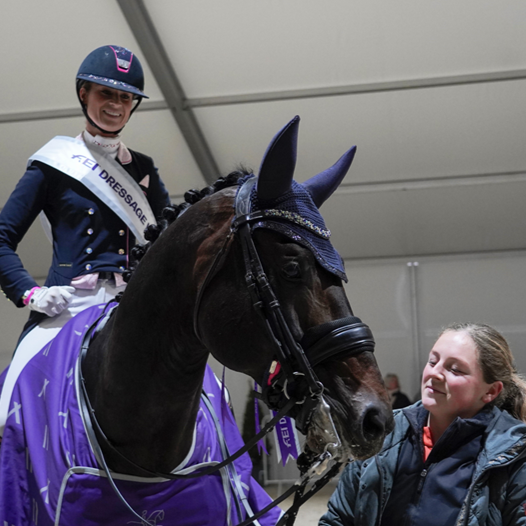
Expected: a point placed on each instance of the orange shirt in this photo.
(428, 441)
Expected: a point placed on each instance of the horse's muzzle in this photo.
(346, 336)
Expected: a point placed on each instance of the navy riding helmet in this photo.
(115, 67)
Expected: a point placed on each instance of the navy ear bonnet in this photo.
(291, 208)
(295, 215)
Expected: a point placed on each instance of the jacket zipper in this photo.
(415, 501)
(382, 504)
(423, 476)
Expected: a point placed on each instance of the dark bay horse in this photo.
(248, 274)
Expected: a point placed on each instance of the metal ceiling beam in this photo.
(330, 91)
(453, 181)
(354, 89)
(156, 56)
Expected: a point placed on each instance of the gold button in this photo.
(122, 269)
(89, 231)
(88, 267)
(91, 211)
(121, 232)
(121, 251)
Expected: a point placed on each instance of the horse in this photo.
(246, 272)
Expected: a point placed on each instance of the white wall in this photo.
(486, 288)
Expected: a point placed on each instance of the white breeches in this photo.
(43, 333)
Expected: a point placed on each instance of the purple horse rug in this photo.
(49, 473)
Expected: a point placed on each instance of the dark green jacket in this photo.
(496, 496)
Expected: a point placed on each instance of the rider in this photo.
(92, 236)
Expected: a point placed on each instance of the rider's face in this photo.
(109, 108)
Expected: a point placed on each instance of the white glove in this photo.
(52, 300)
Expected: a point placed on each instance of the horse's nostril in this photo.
(373, 424)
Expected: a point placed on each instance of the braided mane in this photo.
(172, 212)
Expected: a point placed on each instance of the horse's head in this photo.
(279, 311)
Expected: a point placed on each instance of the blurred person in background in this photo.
(398, 399)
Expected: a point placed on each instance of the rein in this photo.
(298, 488)
(174, 476)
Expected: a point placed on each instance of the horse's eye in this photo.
(291, 270)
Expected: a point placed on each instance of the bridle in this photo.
(291, 385)
(295, 378)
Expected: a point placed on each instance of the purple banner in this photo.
(287, 445)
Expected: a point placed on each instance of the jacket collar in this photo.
(504, 436)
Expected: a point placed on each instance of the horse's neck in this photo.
(151, 360)
(145, 387)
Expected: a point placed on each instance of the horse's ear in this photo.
(279, 162)
(322, 186)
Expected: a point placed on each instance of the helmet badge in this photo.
(123, 57)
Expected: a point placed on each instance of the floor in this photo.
(310, 513)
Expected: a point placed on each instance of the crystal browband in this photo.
(297, 219)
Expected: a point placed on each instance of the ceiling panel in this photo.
(426, 221)
(412, 134)
(249, 46)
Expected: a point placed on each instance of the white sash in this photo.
(101, 174)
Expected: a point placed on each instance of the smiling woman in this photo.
(92, 233)
(453, 383)
(109, 109)
(457, 457)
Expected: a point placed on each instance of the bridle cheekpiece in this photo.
(293, 377)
